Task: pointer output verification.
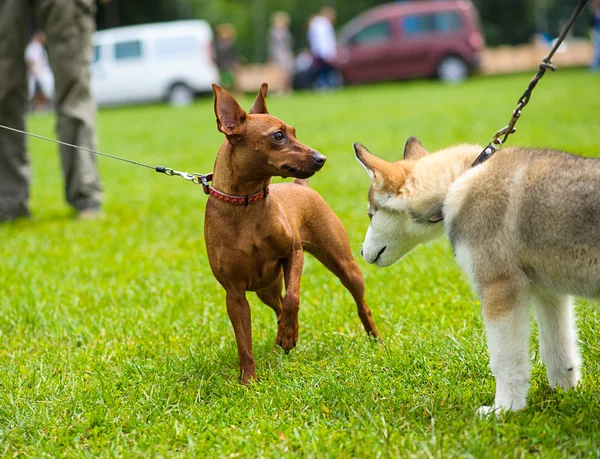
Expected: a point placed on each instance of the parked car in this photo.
(411, 39)
(170, 61)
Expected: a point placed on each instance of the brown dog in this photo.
(256, 233)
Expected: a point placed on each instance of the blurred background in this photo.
(174, 49)
(503, 21)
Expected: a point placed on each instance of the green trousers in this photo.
(69, 26)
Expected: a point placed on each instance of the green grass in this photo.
(114, 338)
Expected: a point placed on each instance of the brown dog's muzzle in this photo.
(311, 164)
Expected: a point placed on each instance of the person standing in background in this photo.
(321, 38)
(40, 80)
(226, 55)
(68, 26)
(595, 65)
(281, 45)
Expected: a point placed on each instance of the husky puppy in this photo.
(524, 225)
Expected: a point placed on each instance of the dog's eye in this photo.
(370, 215)
(278, 136)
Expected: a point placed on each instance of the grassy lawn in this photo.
(115, 341)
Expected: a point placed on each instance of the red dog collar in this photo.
(230, 199)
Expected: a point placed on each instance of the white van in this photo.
(165, 61)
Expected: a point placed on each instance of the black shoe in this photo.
(9, 215)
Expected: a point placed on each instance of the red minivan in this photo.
(411, 39)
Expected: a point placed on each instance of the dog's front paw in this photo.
(248, 377)
(287, 337)
(487, 411)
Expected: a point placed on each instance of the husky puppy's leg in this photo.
(506, 315)
(558, 338)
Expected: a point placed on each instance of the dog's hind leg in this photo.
(332, 248)
(238, 310)
(506, 314)
(350, 275)
(558, 338)
(272, 296)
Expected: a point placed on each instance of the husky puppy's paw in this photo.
(495, 410)
(488, 411)
(567, 378)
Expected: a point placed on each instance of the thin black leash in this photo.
(196, 178)
(501, 136)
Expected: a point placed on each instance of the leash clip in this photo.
(198, 179)
(171, 172)
(183, 175)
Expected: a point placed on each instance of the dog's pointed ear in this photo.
(382, 173)
(260, 104)
(371, 163)
(230, 116)
(413, 149)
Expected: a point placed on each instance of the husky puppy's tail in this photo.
(301, 181)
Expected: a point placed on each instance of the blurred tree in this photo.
(507, 21)
(129, 12)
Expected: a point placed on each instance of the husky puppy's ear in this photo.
(260, 104)
(371, 163)
(413, 149)
(230, 116)
(385, 176)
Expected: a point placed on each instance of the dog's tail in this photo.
(301, 181)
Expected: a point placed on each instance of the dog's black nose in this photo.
(319, 159)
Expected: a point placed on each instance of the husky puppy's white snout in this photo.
(392, 222)
(525, 227)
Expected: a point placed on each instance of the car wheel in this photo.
(180, 95)
(452, 69)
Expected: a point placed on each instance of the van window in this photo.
(177, 46)
(445, 22)
(377, 32)
(128, 49)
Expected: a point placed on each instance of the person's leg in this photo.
(334, 77)
(596, 58)
(14, 161)
(320, 73)
(69, 26)
(227, 80)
